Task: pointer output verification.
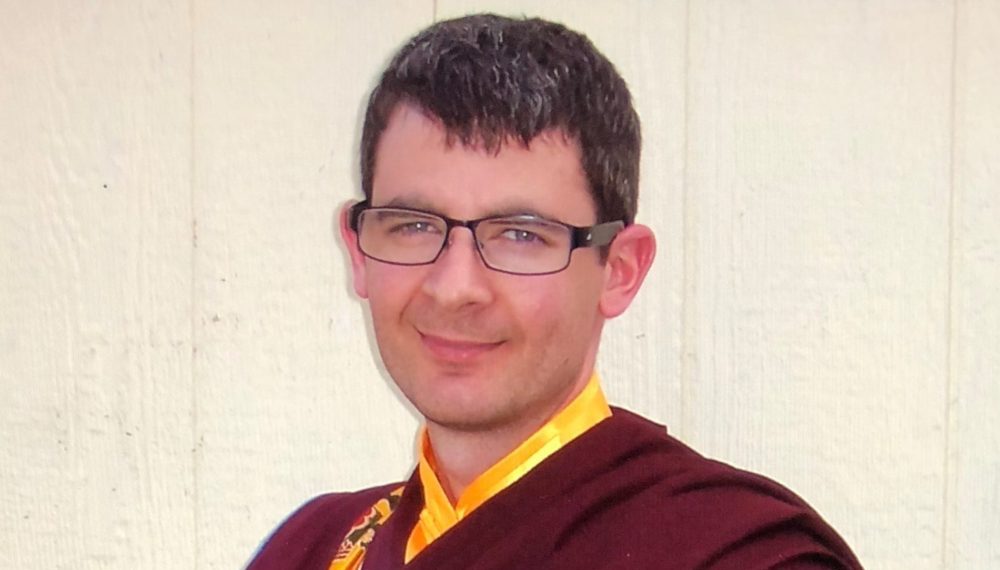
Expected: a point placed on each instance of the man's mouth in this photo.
(456, 349)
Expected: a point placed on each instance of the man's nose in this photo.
(459, 277)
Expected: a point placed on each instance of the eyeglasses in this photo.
(521, 244)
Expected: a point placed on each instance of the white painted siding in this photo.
(972, 501)
(182, 360)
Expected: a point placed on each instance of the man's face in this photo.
(471, 347)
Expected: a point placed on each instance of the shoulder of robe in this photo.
(672, 503)
(733, 519)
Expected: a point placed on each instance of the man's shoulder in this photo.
(311, 534)
(659, 491)
(644, 446)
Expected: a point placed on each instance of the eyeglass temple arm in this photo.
(354, 213)
(596, 236)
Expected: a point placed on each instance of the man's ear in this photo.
(629, 259)
(350, 238)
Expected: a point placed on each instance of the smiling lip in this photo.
(455, 350)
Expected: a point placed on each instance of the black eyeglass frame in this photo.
(598, 235)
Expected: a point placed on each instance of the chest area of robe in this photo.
(623, 496)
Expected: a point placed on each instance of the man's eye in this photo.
(522, 236)
(410, 228)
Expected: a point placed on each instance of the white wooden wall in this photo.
(182, 363)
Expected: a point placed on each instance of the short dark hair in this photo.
(490, 79)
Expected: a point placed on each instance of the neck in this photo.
(462, 455)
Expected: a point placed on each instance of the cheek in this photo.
(554, 307)
(390, 288)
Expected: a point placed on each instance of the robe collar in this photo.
(587, 409)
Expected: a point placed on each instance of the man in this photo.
(500, 164)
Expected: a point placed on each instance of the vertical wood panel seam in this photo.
(195, 453)
(686, 229)
(950, 387)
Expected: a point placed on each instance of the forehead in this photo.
(418, 164)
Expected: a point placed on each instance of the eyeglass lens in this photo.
(517, 244)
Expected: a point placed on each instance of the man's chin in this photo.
(466, 418)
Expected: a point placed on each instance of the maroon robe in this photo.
(622, 495)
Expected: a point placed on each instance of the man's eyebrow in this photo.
(503, 211)
(410, 203)
(517, 209)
